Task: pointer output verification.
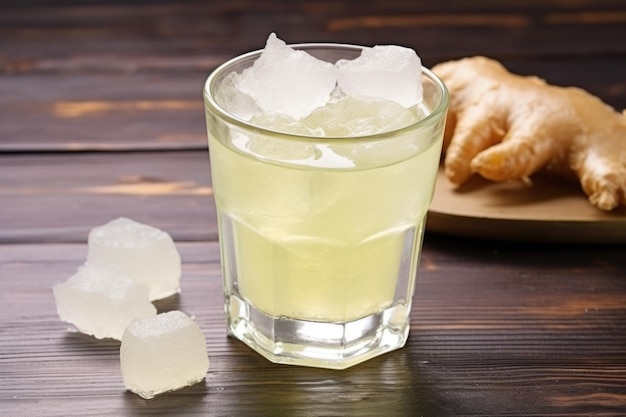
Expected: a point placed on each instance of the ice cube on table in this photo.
(163, 353)
(101, 301)
(390, 72)
(288, 81)
(145, 253)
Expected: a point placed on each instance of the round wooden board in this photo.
(549, 210)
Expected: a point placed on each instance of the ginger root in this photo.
(506, 127)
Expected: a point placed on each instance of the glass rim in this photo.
(432, 117)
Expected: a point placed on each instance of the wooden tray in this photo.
(551, 210)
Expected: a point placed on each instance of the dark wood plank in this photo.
(43, 35)
(492, 334)
(53, 197)
(192, 27)
(194, 32)
(73, 112)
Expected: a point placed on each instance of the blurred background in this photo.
(190, 30)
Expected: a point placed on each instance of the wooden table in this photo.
(101, 116)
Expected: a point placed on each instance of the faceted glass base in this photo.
(317, 344)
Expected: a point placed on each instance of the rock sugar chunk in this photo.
(145, 253)
(163, 353)
(390, 72)
(101, 301)
(235, 101)
(288, 81)
(361, 116)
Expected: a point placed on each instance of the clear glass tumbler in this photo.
(320, 237)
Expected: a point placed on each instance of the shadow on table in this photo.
(390, 385)
(186, 401)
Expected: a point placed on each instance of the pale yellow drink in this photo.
(320, 236)
(316, 243)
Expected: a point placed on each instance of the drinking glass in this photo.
(320, 237)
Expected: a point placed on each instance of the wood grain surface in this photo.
(101, 116)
